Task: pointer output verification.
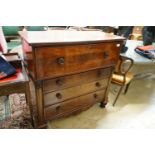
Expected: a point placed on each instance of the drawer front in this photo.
(76, 104)
(65, 94)
(60, 61)
(76, 79)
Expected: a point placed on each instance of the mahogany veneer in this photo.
(71, 70)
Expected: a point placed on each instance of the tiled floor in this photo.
(136, 109)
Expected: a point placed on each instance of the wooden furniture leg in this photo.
(28, 100)
(105, 101)
(40, 105)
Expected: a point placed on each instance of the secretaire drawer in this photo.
(60, 61)
(68, 107)
(76, 79)
(65, 94)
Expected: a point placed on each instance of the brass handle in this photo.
(58, 95)
(98, 84)
(95, 96)
(59, 82)
(105, 55)
(61, 60)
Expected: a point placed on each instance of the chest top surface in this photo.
(57, 37)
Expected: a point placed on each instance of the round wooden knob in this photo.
(58, 95)
(61, 60)
(98, 84)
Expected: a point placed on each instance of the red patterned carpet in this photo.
(14, 112)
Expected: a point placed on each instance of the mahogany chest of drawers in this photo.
(71, 70)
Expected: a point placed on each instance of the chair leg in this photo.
(126, 88)
(117, 95)
(28, 100)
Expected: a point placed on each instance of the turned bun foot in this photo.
(103, 104)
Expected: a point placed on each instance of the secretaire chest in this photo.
(71, 70)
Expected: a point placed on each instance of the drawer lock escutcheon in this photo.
(95, 96)
(58, 108)
(105, 55)
(59, 82)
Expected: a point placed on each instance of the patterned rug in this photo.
(14, 112)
